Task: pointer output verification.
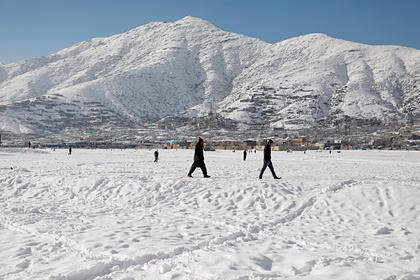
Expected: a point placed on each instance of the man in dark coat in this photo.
(267, 160)
(156, 153)
(245, 154)
(199, 159)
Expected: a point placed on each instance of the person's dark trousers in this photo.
(200, 164)
(270, 165)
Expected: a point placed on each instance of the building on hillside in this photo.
(179, 144)
(333, 145)
(250, 143)
(229, 145)
(300, 140)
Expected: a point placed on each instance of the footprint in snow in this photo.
(263, 262)
(384, 231)
(24, 252)
(23, 265)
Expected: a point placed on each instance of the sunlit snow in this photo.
(102, 214)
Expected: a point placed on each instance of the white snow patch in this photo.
(117, 215)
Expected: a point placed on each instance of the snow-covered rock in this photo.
(190, 65)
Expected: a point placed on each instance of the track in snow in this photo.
(116, 214)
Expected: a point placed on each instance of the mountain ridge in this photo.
(191, 66)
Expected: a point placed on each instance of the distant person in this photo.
(29, 144)
(156, 153)
(69, 150)
(267, 160)
(245, 154)
(199, 159)
(330, 151)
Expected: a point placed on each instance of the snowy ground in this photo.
(117, 215)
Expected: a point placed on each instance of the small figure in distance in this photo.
(267, 160)
(245, 154)
(29, 144)
(199, 159)
(69, 150)
(156, 153)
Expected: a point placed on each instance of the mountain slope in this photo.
(315, 77)
(189, 66)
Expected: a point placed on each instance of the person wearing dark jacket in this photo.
(245, 154)
(199, 159)
(156, 153)
(267, 160)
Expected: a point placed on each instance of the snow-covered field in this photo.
(117, 215)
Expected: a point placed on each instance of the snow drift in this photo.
(118, 215)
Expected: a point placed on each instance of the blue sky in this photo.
(30, 28)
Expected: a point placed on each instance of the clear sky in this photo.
(30, 28)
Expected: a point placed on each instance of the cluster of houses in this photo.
(149, 138)
(210, 121)
(299, 143)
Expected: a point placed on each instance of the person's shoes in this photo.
(277, 178)
(189, 175)
(207, 176)
(259, 177)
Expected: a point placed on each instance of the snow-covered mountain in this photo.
(189, 66)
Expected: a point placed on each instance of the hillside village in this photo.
(181, 133)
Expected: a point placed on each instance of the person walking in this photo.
(156, 153)
(245, 154)
(267, 161)
(69, 150)
(199, 159)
